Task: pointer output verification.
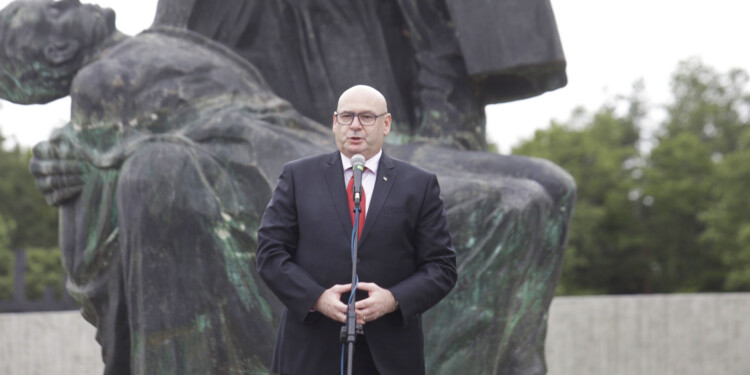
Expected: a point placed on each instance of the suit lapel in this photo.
(334, 173)
(383, 183)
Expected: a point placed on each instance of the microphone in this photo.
(358, 166)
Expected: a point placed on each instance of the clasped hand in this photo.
(57, 171)
(379, 302)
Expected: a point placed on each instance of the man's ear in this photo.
(387, 122)
(61, 51)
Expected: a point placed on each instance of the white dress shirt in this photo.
(368, 177)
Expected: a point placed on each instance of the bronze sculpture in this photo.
(173, 147)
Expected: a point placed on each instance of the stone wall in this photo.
(680, 334)
(647, 335)
(48, 343)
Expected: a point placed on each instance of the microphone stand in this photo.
(350, 330)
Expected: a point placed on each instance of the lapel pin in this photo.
(385, 178)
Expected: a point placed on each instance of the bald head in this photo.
(363, 93)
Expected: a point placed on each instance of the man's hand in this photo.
(57, 171)
(329, 303)
(379, 302)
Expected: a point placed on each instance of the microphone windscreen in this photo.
(358, 161)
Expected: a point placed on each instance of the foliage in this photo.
(6, 259)
(678, 180)
(36, 222)
(25, 222)
(728, 220)
(600, 155)
(43, 269)
(714, 109)
(670, 219)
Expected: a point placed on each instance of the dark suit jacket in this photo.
(304, 249)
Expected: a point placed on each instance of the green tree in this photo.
(36, 222)
(700, 169)
(708, 104)
(671, 219)
(27, 222)
(6, 259)
(43, 269)
(728, 221)
(678, 181)
(601, 153)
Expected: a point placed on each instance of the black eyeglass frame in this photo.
(359, 118)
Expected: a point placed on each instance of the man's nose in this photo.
(355, 123)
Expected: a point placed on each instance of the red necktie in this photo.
(362, 204)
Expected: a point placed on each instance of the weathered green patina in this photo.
(174, 145)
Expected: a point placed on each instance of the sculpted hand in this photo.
(329, 303)
(57, 170)
(379, 302)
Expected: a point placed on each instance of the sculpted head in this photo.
(43, 44)
(356, 137)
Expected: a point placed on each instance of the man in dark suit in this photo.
(406, 262)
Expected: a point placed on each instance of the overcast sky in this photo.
(608, 45)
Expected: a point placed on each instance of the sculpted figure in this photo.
(174, 146)
(160, 178)
(439, 62)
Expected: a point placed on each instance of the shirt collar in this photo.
(371, 163)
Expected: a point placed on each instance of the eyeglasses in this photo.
(366, 119)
